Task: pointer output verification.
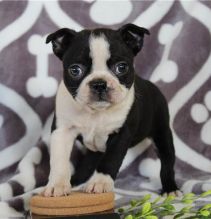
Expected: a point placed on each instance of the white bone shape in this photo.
(150, 168)
(167, 70)
(110, 12)
(200, 114)
(1, 121)
(42, 84)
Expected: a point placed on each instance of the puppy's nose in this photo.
(98, 85)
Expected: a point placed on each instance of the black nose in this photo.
(98, 85)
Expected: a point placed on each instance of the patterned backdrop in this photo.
(176, 56)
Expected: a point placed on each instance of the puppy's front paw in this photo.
(99, 183)
(59, 189)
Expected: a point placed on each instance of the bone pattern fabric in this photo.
(176, 56)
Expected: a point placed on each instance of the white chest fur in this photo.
(94, 126)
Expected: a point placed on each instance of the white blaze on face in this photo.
(100, 54)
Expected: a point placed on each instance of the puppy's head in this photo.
(98, 64)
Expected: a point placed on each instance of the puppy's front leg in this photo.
(62, 140)
(103, 178)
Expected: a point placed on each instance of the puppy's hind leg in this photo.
(164, 143)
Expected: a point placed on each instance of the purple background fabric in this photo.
(176, 56)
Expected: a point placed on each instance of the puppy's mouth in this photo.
(100, 97)
(96, 101)
(99, 100)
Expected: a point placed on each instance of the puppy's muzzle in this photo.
(99, 89)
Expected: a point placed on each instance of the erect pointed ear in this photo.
(133, 36)
(60, 40)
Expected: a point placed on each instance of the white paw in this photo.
(99, 183)
(59, 189)
(176, 193)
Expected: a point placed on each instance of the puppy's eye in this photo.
(121, 68)
(75, 71)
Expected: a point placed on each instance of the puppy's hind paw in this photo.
(176, 193)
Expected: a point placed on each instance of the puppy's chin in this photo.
(99, 105)
(92, 105)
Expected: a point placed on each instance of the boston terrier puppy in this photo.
(103, 103)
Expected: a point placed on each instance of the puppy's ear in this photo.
(133, 36)
(60, 40)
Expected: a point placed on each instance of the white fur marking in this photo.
(99, 52)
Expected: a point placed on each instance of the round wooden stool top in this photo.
(77, 203)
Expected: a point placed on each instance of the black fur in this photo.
(148, 116)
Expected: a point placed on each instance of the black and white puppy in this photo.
(96, 104)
